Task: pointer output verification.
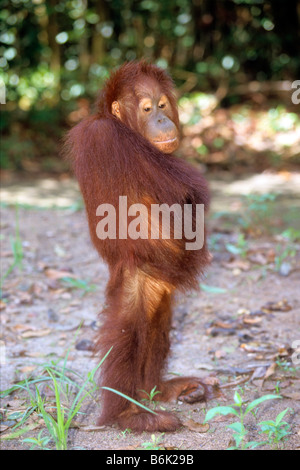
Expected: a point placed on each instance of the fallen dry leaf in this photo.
(258, 258)
(221, 324)
(281, 306)
(252, 320)
(272, 385)
(6, 254)
(270, 371)
(282, 351)
(34, 354)
(256, 347)
(92, 428)
(36, 333)
(27, 369)
(3, 427)
(235, 383)
(223, 418)
(292, 395)
(237, 264)
(196, 427)
(259, 373)
(17, 403)
(56, 274)
(19, 327)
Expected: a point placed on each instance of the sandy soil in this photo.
(228, 334)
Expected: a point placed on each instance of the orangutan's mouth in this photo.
(165, 141)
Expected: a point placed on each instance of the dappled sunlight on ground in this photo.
(50, 192)
(41, 193)
(266, 182)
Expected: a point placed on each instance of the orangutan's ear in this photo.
(115, 109)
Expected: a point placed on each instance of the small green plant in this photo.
(286, 366)
(125, 432)
(151, 395)
(283, 254)
(240, 248)
(276, 431)
(277, 387)
(258, 209)
(291, 235)
(34, 406)
(240, 410)
(40, 442)
(154, 444)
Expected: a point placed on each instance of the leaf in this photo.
(281, 306)
(196, 427)
(212, 289)
(236, 427)
(291, 395)
(237, 264)
(232, 249)
(56, 274)
(19, 432)
(253, 444)
(92, 428)
(252, 320)
(257, 402)
(238, 399)
(270, 371)
(280, 416)
(3, 427)
(36, 333)
(220, 410)
(130, 399)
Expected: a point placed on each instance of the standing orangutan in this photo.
(125, 149)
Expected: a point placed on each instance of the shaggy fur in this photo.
(111, 159)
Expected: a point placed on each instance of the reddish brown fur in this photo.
(110, 158)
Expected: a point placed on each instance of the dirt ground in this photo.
(229, 329)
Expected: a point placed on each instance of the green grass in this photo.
(81, 284)
(150, 396)
(70, 390)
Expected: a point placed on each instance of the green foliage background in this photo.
(53, 53)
